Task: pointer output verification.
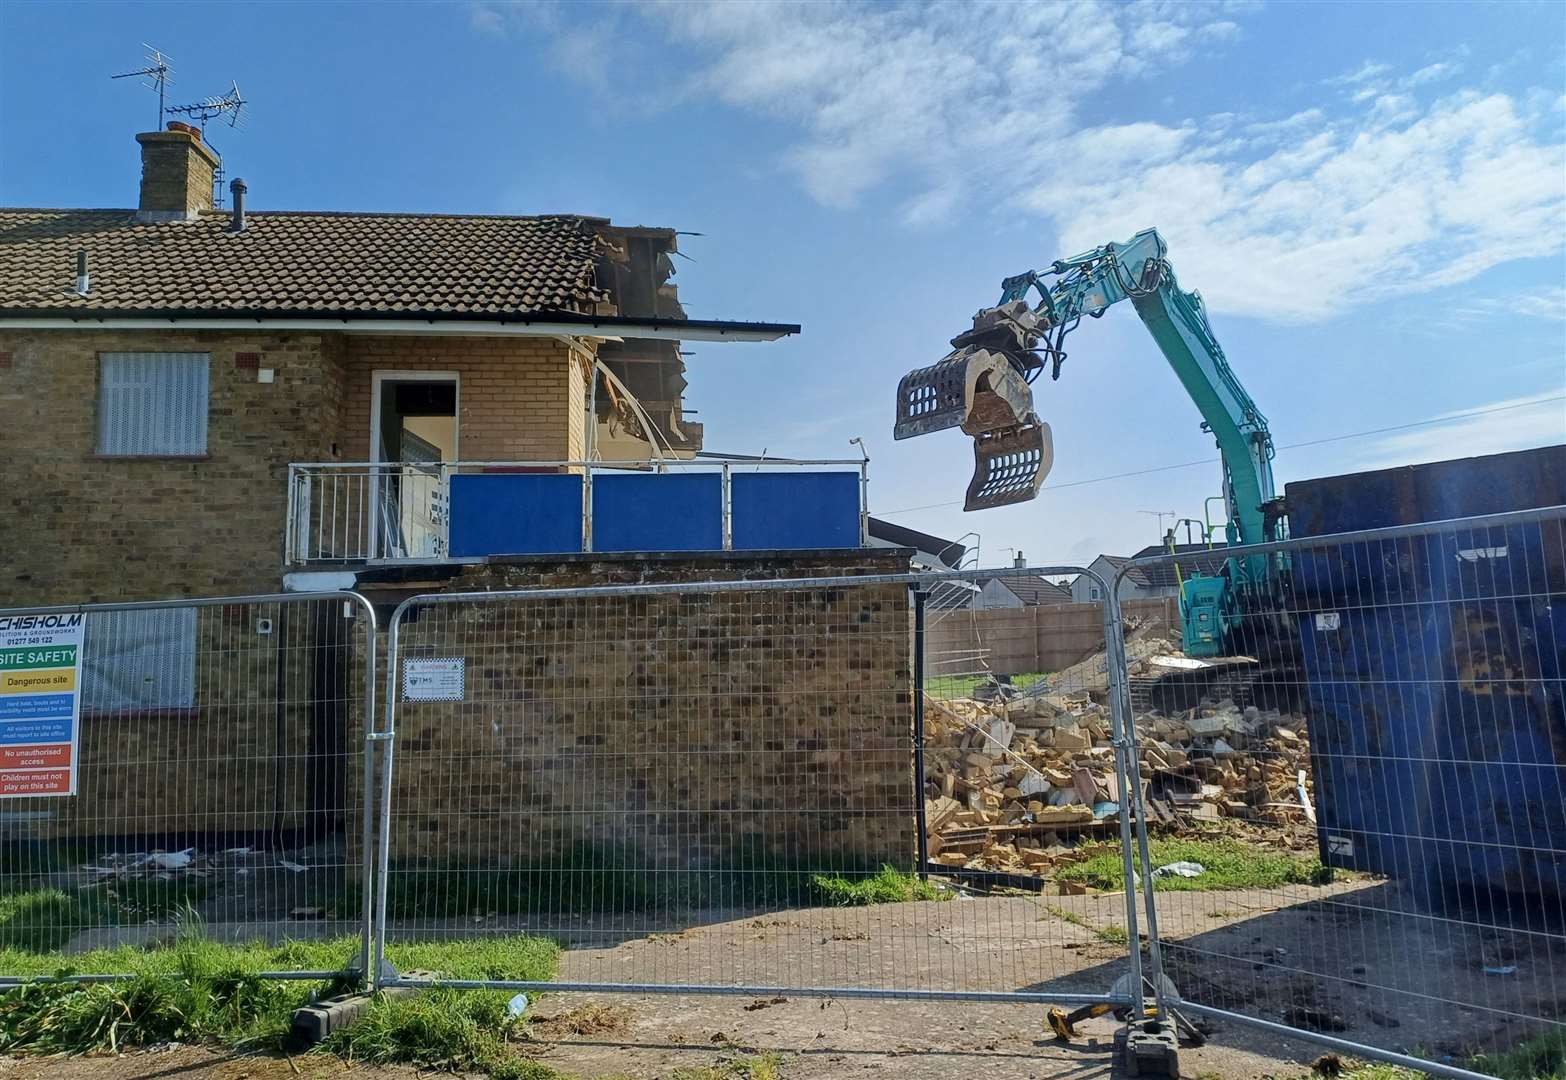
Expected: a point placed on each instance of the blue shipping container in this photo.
(1434, 669)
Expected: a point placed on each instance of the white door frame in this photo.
(378, 377)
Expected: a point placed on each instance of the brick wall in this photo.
(518, 399)
(84, 528)
(162, 528)
(688, 731)
(176, 172)
(264, 746)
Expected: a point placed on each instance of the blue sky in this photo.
(1371, 197)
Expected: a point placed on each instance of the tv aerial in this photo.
(228, 106)
(157, 73)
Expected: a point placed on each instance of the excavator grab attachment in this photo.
(981, 386)
(972, 388)
(1009, 466)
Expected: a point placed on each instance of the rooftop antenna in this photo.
(228, 106)
(157, 73)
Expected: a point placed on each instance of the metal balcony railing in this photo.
(388, 512)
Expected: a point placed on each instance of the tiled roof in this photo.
(1136, 574)
(1034, 591)
(1190, 558)
(298, 263)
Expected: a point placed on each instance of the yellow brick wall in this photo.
(78, 527)
(518, 399)
(83, 528)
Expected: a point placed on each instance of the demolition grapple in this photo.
(982, 387)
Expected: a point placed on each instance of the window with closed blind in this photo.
(152, 404)
(139, 660)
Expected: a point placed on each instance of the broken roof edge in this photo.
(544, 323)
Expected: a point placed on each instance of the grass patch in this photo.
(450, 1030)
(947, 687)
(600, 880)
(44, 919)
(41, 920)
(1067, 916)
(886, 886)
(1113, 934)
(199, 991)
(1540, 1058)
(1229, 864)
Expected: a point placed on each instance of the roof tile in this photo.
(287, 261)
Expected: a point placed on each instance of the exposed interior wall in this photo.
(82, 527)
(637, 268)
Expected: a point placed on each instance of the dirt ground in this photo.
(1344, 957)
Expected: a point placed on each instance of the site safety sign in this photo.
(40, 704)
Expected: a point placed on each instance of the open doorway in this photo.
(413, 429)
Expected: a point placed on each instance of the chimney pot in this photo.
(1020, 561)
(176, 176)
(238, 188)
(83, 281)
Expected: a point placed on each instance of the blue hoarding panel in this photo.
(658, 512)
(515, 514)
(795, 510)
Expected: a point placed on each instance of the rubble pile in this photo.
(1013, 785)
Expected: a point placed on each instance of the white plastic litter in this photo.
(171, 860)
(1180, 869)
(295, 867)
(517, 1006)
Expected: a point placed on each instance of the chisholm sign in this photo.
(40, 704)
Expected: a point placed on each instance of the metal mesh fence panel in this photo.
(187, 767)
(1357, 812)
(706, 788)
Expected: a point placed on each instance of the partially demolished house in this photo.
(209, 402)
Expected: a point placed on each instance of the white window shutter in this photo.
(153, 403)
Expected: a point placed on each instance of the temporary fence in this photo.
(184, 765)
(727, 774)
(768, 787)
(1397, 737)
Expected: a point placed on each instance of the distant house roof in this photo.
(1032, 591)
(1190, 558)
(1115, 562)
(948, 552)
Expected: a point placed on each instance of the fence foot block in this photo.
(312, 1023)
(1151, 1050)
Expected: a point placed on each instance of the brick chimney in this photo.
(176, 174)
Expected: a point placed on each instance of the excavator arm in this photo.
(983, 386)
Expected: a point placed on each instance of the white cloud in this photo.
(1366, 72)
(1344, 215)
(1383, 191)
(1513, 424)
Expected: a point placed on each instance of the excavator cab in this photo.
(982, 387)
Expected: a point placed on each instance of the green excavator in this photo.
(984, 386)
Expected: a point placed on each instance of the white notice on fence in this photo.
(433, 680)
